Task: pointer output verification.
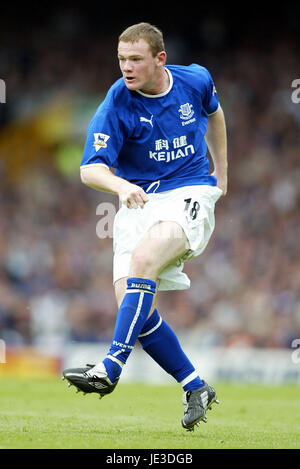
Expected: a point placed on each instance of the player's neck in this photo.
(161, 84)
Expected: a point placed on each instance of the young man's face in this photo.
(138, 66)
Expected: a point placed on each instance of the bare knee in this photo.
(142, 264)
(163, 244)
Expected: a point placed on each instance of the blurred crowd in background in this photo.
(56, 273)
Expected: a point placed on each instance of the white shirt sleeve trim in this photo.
(214, 111)
(93, 164)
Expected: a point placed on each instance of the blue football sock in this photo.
(161, 343)
(131, 317)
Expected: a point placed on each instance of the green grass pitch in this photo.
(48, 414)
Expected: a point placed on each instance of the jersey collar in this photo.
(160, 94)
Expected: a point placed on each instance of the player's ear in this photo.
(161, 58)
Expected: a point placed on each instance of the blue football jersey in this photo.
(156, 141)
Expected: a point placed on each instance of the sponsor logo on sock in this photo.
(119, 344)
(143, 286)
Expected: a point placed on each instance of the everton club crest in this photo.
(186, 112)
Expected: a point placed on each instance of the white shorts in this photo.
(192, 207)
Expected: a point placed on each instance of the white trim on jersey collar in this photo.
(160, 94)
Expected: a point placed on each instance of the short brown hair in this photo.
(146, 31)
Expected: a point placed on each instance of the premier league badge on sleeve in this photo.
(100, 141)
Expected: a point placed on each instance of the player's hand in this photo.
(222, 182)
(133, 196)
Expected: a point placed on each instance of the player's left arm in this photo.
(216, 139)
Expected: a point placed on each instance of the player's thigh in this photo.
(163, 244)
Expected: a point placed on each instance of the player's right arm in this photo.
(101, 178)
(107, 132)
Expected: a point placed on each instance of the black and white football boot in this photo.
(195, 404)
(90, 379)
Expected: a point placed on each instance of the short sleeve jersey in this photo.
(156, 141)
